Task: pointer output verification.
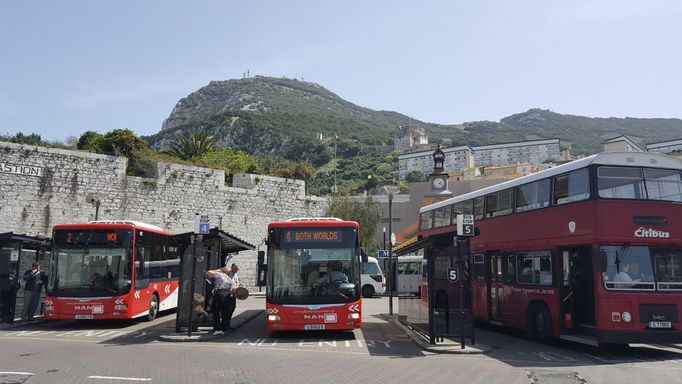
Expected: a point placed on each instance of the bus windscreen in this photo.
(91, 262)
(313, 265)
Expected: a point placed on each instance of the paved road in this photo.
(128, 352)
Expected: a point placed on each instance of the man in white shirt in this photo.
(224, 301)
(624, 277)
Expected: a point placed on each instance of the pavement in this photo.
(244, 314)
(447, 346)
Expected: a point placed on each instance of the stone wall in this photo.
(41, 187)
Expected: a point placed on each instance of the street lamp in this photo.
(335, 189)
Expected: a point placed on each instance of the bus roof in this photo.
(633, 159)
(113, 224)
(313, 222)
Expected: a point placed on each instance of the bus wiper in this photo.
(621, 253)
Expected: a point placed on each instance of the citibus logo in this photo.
(651, 233)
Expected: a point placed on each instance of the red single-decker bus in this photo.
(111, 270)
(313, 280)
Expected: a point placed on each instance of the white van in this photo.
(372, 279)
(409, 274)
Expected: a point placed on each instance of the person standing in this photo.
(224, 302)
(35, 280)
(231, 298)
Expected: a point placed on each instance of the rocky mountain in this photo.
(285, 117)
(263, 115)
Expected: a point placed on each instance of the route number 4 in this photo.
(453, 275)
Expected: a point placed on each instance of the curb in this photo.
(179, 338)
(17, 324)
(435, 348)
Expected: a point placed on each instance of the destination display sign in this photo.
(313, 236)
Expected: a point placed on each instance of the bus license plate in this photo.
(660, 324)
(313, 326)
(84, 317)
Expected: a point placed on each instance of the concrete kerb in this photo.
(207, 335)
(448, 347)
(18, 324)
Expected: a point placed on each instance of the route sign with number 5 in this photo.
(453, 275)
(465, 225)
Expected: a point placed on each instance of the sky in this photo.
(67, 67)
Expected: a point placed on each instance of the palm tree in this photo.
(191, 144)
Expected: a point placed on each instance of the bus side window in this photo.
(142, 268)
(402, 268)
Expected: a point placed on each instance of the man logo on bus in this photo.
(651, 233)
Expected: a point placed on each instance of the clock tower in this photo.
(438, 179)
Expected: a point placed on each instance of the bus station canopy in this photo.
(228, 243)
(412, 245)
(28, 242)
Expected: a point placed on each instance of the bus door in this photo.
(495, 288)
(577, 290)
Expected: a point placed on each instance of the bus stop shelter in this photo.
(200, 253)
(446, 309)
(17, 252)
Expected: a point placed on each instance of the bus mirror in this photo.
(262, 273)
(363, 256)
(261, 257)
(602, 260)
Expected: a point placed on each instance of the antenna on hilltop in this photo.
(247, 73)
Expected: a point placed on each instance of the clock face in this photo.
(438, 183)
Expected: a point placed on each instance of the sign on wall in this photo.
(20, 169)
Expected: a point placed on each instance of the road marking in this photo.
(18, 373)
(120, 378)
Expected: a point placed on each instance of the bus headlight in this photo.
(273, 318)
(627, 317)
(354, 316)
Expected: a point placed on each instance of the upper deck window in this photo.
(572, 186)
(426, 221)
(499, 203)
(478, 208)
(639, 183)
(663, 184)
(621, 183)
(533, 196)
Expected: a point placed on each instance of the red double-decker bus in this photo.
(313, 275)
(111, 270)
(589, 251)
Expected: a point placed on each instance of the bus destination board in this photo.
(313, 236)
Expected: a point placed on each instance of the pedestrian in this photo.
(35, 279)
(8, 290)
(224, 300)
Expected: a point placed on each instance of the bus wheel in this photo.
(153, 308)
(543, 324)
(367, 291)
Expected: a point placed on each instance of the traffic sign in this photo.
(465, 225)
(202, 225)
(382, 253)
(392, 238)
(453, 275)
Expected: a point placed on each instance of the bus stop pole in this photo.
(391, 267)
(191, 286)
(460, 252)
